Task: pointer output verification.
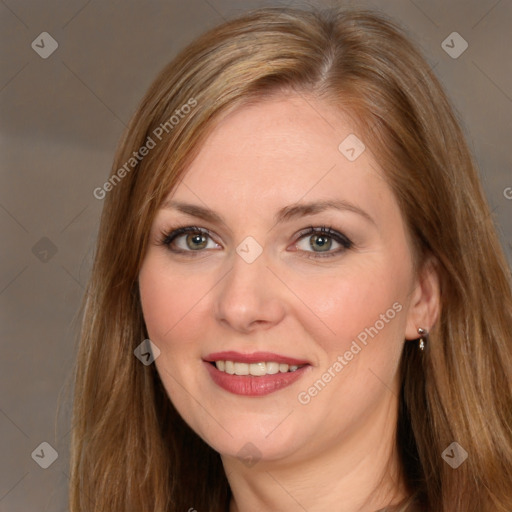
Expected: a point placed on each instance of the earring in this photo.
(423, 339)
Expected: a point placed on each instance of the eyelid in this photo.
(171, 234)
(330, 232)
(326, 230)
(168, 236)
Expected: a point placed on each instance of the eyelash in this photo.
(167, 237)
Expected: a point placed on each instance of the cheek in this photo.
(361, 303)
(366, 315)
(169, 300)
(366, 310)
(159, 308)
(172, 306)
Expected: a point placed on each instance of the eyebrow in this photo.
(284, 214)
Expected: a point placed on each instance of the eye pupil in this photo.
(324, 242)
(196, 241)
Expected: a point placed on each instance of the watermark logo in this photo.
(44, 250)
(454, 45)
(45, 455)
(351, 147)
(249, 249)
(249, 455)
(44, 45)
(508, 193)
(454, 455)
(147, 352)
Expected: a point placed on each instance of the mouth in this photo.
(255, 374)
(254, 369)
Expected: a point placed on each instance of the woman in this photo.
(294, 220)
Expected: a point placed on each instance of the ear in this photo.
(425, 302)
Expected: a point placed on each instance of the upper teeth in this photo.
(255, 369)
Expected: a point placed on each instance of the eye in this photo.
(188, 239)
(321, 241)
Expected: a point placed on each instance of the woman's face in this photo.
(255, 280)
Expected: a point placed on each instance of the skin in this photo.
(337, 451)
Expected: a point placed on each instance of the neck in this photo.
(360, 473)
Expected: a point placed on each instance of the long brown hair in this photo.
(131, 451)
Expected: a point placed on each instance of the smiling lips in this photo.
(254, 369)
(254, 374)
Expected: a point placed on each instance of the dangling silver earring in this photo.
(423, 339)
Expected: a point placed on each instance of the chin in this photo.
(265, 440)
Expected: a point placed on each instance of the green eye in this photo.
(196, 241)
(321, 240)
(189, 239)
(323, 243)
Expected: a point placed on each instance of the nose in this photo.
(249, 297)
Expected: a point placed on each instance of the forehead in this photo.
(282, 150)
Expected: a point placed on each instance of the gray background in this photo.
(61, 118)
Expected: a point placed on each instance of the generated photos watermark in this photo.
(361, 341)
(137, 156)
